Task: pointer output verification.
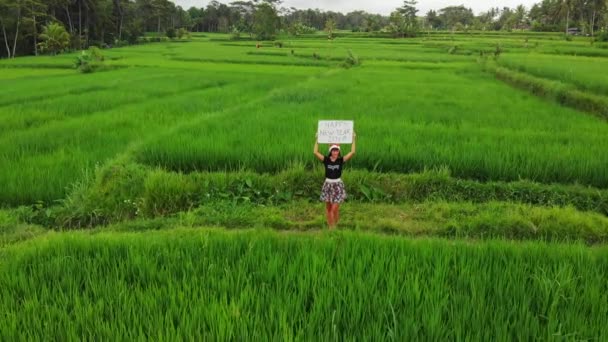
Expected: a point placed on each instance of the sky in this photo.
(376, 6)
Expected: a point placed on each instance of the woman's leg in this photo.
(335, 208)
(329, 214)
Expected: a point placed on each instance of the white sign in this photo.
(335, 132)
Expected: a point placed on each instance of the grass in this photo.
(457, 220)
(209, 284)
(210, 104)
(67, 134)
(170, 138)
(437, 218)
(560, 92)
(123, 191)
(585, 73)
(499, 138)
(14, 230)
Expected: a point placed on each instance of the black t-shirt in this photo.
(333, 170)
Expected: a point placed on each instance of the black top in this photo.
(333, 170)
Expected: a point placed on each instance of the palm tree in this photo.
(520, 15)
(564, 8)
(54, 38)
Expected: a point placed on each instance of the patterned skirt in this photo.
(333, 192)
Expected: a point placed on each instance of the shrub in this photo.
(351, 60)
(83, 63)
(89, 60)
(96, 54)
(54, 38)
(171, 33)
(235, 34)
(120, 43)
(183, 33)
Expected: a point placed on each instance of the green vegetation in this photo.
(215, 112)
(464, 139)
(201, 284)
(579, 71)
(54, 38)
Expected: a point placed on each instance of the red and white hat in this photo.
(334, 146)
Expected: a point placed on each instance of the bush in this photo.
(235, 34)
(298, 28)
(602, 37)
(120, 43)
(278, 44)
(152, 39)
(497, 51)
(133, 32)
(96, 54)
(89, 60)
(108, 195)
(183, 33)
(351, 60)
(83, 63)
(54, 38)
(171, 33)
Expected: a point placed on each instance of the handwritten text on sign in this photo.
(335, 132)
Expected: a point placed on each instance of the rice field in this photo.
(477, 199)
(580, 71)
(215, 105)
(185, 284)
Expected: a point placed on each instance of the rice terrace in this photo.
(253, 171)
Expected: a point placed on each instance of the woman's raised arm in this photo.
(352, 149)
(316, 150)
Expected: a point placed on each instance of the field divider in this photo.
(125, 190)
(562, 93)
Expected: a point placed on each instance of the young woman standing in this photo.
(333, 192)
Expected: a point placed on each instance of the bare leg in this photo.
(329, 214)
(335, 208)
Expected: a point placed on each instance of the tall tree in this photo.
(15, 15)
(266, 21)
(433, 20)
(592, 13)
(403, 21)
(520, 16)
(452, 16)
(563, 11)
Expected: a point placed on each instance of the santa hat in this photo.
(334, 146)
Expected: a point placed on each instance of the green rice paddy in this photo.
(216, 105)
(477, 199)
(200, 284)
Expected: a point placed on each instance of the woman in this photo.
(333, 192)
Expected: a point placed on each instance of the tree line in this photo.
(29, 26)
(587, 16)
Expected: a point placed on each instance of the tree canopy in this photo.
(118, 22)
